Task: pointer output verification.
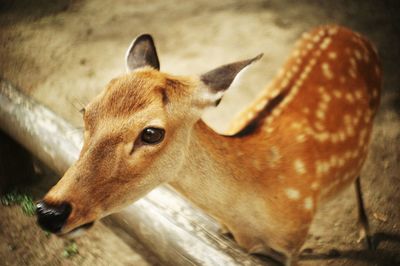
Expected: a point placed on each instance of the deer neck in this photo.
(214, 168)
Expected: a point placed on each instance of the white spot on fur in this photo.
(349, 97)
(277, 112)
(320, 114)
(292, 193)
(301, 138)
(337, 93)
(308, 203)
(326, 97)
(327, 71)
(269, 130)
(284, 83)
(332, 55)
(352, 73)
(319, 126)
(358, 94)
(274, 157)
(350, 130)
(316, 38)
(322, 137)
(260, 105)
(306, 110)
(323, 106)
(274, 93)
(321, 90)
(325, 43)
(281, 72)
(314, 185)
(300, 167)
(333, 30)
(296, 125)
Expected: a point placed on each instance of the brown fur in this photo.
(301, 142)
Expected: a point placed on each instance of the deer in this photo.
(301, 142)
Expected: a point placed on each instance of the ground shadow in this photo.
(378, 256)
(22, 10)
(383, 236)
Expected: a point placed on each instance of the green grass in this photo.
(70, 250)
(20, 198)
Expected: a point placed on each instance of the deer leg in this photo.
(223, 229)
(362, 217)
(260, 249)
(256, 247)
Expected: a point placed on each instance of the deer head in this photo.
(136, 136)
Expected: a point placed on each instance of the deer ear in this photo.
(219, 79)
(142, 52)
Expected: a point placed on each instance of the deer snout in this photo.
(52, 217)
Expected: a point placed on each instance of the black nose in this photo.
(52, 217)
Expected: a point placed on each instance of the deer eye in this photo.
(152, 135)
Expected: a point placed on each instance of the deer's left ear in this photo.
(219, 79)
(142, 52)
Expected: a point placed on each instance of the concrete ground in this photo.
(64, 52)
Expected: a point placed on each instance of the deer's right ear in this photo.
(220, 79)
(141, 53)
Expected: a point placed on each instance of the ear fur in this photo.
(142, 52)
(219, 79)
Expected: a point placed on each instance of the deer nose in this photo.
(52, 217)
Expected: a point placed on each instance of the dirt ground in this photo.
(64, 52)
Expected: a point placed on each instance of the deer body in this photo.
(299, 144)
(306, 150)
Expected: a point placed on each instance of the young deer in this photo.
(299, 144)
